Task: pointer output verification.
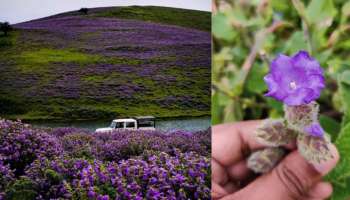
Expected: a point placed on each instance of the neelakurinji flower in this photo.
(56, 172)
(295, 80)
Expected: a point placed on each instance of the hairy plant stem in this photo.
(307, 37)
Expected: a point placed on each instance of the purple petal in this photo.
(314, 129)
(299, 97)
(273, 88)
(302, 59)
(280, 66)
(316, 81)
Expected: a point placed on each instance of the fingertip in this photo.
(321, 190)
(327, 189)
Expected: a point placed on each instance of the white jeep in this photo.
(135, 123)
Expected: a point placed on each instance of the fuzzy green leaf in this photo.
(344, 91)
(330, 125)
(255, 81)
(340, 176)
(345, 77)
(321, 12)
(295, 43)
(221, 27)
(343, 141)
(345, 11)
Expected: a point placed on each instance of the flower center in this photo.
(293, 85)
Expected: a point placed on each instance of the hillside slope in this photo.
(196, 19)
(101, 65)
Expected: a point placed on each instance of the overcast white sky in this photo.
(15, 11)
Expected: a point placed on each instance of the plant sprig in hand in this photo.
(297, 81)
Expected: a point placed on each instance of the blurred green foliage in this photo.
(248, 34)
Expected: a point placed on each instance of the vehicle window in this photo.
(119, 125)
(130, 124)
(146, 124)
(113, 124)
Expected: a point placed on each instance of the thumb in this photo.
(290, 180)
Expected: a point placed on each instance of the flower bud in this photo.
(302, 116)
(264, 160)
(314, 149)
(275, 133)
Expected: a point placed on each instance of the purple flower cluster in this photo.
(70, 163)
(118, 145)
(6, 176)
(161, 176)
(62, 131)
(21, 145)
(131, 38)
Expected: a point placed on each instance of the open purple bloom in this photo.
(91, 194)
(314, 129)
(295, 80)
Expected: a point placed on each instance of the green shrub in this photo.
(22, 188)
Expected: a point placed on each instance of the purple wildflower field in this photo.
(71, 163)
(100, 65)
(85, 67)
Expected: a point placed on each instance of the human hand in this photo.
(292, 179)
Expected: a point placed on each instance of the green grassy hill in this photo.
(110, 62)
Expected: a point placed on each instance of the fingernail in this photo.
(326, 166)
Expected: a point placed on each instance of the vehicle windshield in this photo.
(146, 123)
(113, 125)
